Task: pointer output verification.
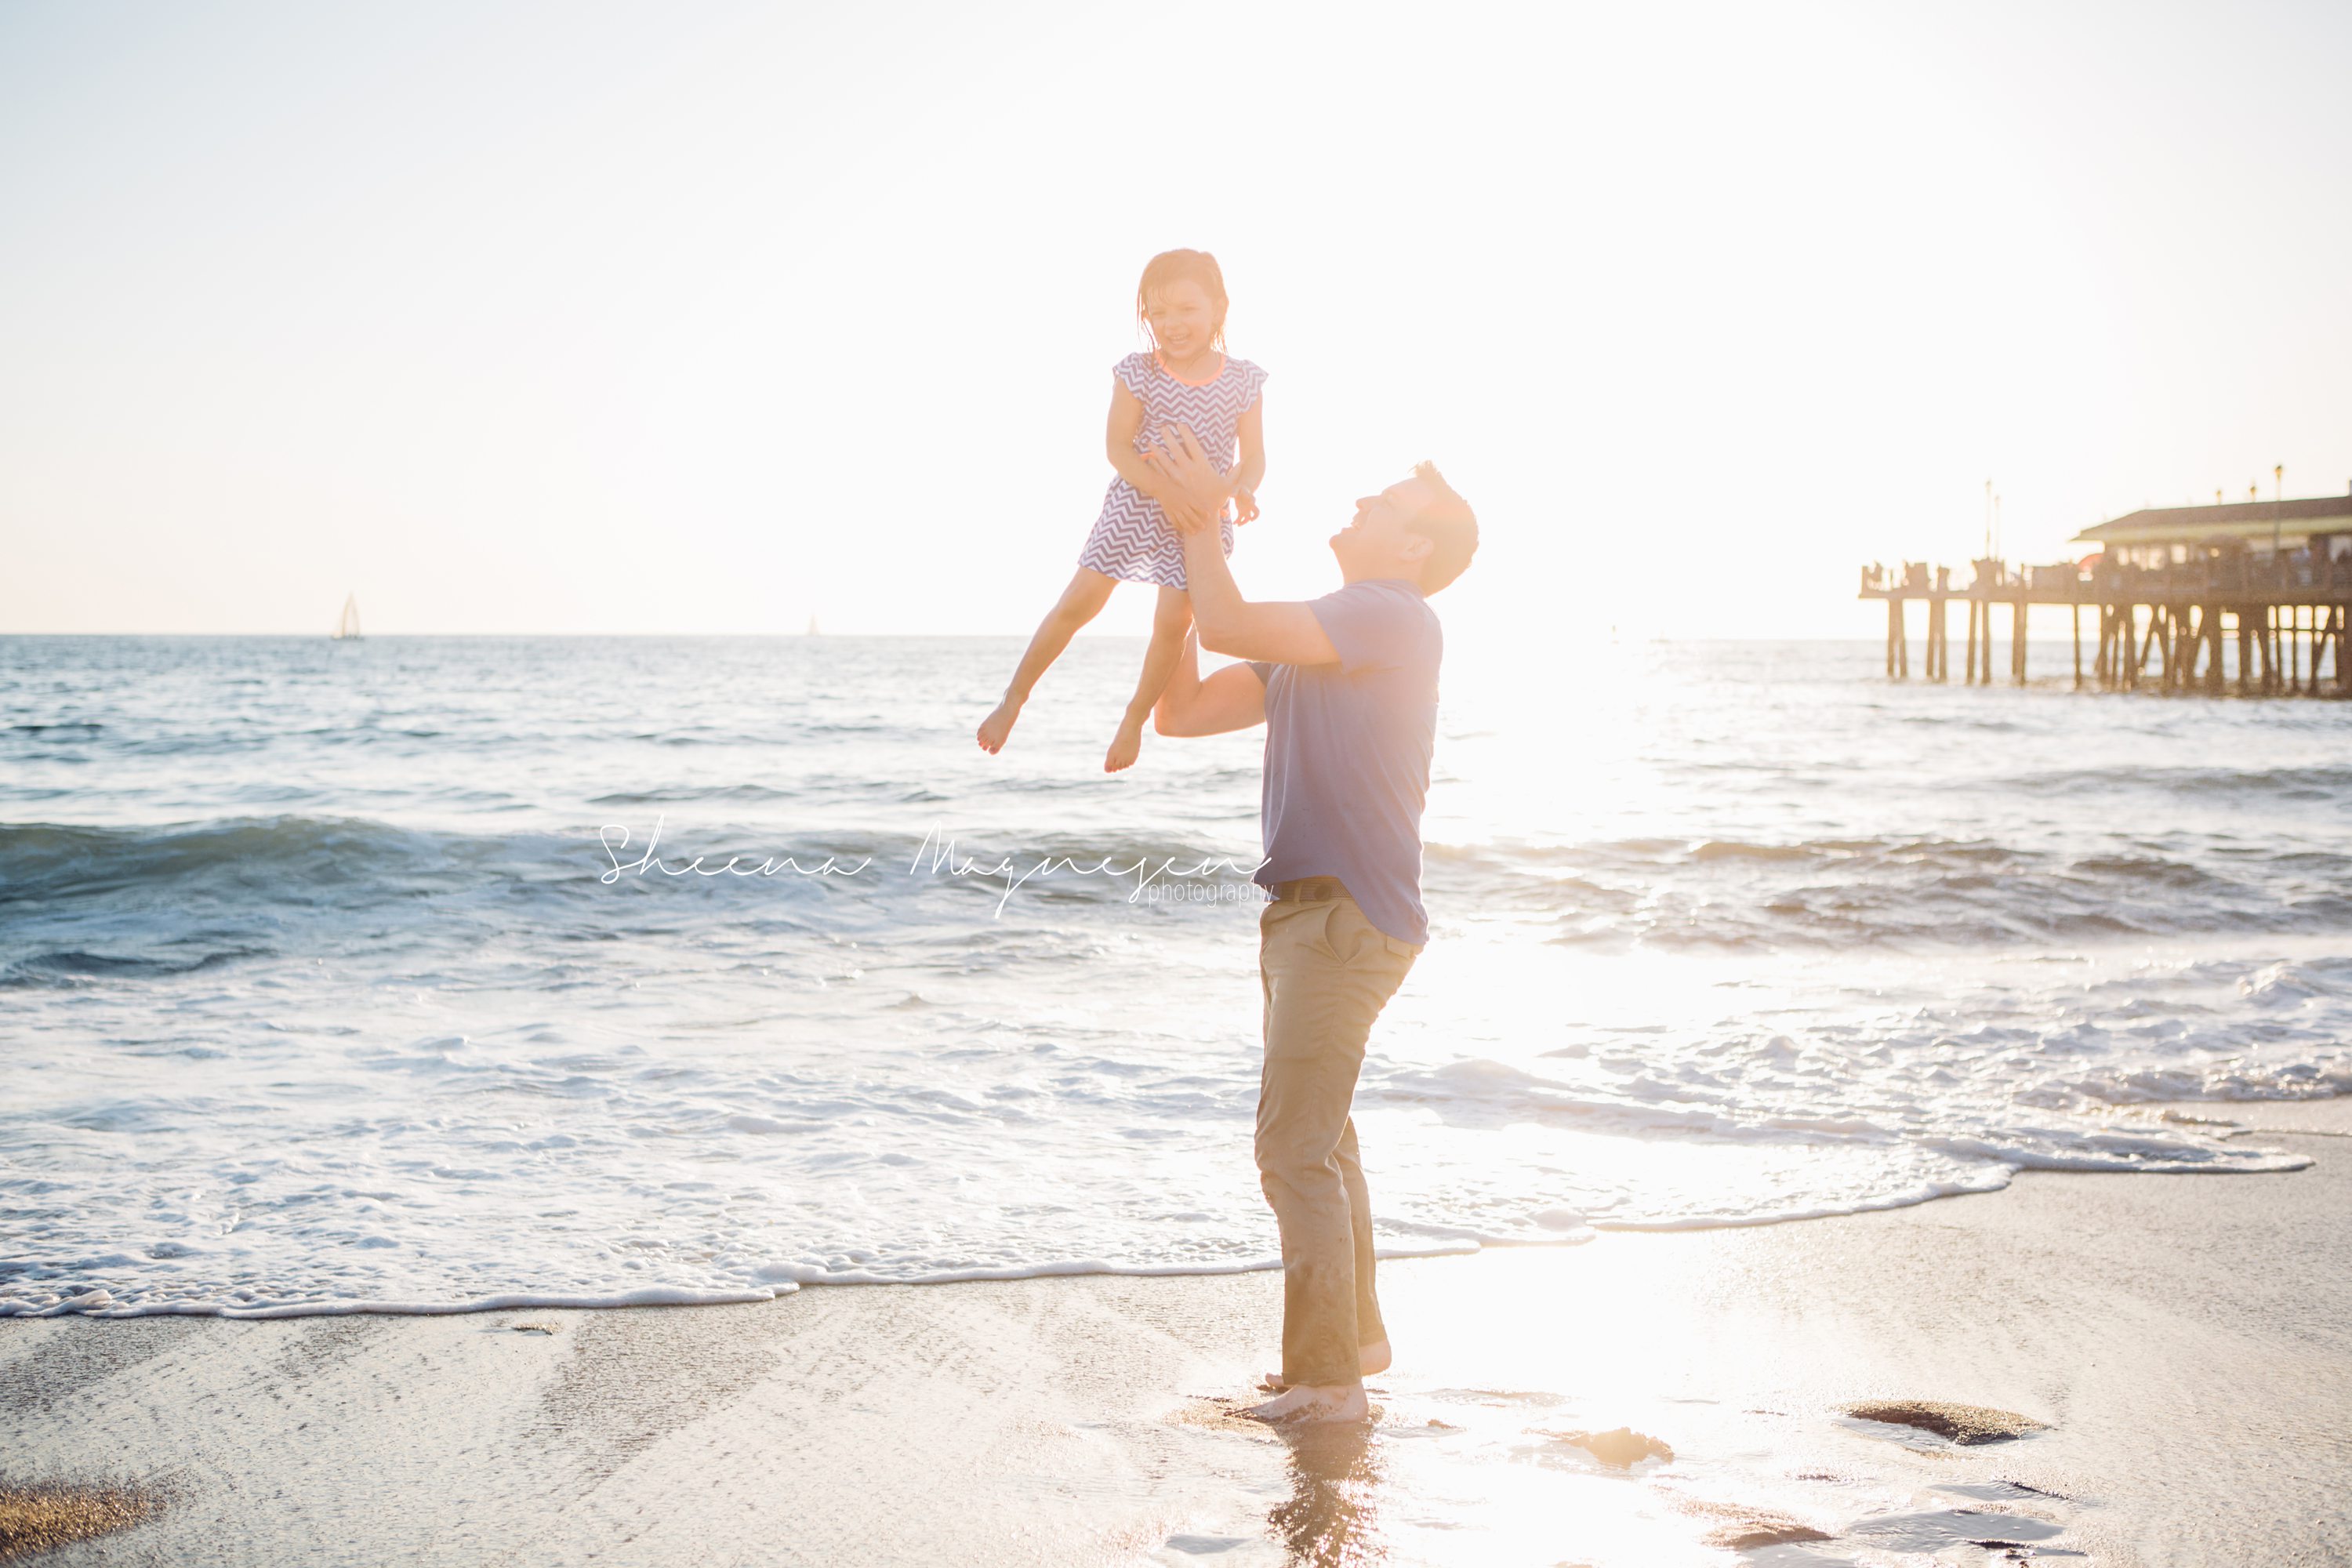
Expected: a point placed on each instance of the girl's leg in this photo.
(1169, 621)
(1081, 602)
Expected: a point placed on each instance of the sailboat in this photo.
(812, 631)
(347, 624)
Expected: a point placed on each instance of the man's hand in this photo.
(1198, 492)
(1227, 622)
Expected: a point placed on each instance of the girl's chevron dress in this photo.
(1132, 540)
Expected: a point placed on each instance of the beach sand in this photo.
(2186, 1341)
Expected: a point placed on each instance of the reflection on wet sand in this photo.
(1638, 1403)
(1491, 1479)
(1332, 1516)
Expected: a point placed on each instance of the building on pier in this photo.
(2174, 589)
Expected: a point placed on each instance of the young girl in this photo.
(1187, 379)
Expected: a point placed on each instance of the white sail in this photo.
(347, 624)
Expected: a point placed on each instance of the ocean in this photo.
(436, 974)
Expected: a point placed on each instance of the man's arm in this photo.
(1284, 633)
(1232, 699)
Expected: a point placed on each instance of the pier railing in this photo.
(2166, 627)
(2298, 581)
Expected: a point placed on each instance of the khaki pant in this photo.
(1326, 972)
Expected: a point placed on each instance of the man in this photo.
(1346, 686)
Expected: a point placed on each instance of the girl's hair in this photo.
(1173, 266)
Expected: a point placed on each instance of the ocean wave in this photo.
(102, 1304)
(1895, 891)
(2323, 783)
(263, 857)
(251, 874)
(693, 793)
(73, 967)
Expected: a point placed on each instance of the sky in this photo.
(519, 318)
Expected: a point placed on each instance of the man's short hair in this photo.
(1449, 525)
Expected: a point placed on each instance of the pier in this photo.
(2254, 597)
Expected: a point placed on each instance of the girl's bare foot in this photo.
(1371, 1360)
(1125, 747)
(1304, 1404)
(998, 725)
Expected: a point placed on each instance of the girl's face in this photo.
(1183, 317)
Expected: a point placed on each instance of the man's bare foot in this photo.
(998, 725)
(1306, 1404)
(1125, 746)
(1371, 1359)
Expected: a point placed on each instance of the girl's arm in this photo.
(1251, 470)
(1119, 441)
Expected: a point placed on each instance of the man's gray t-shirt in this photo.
(1346, 752)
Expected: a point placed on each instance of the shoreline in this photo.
(2173, 1112)
(2186, 1341)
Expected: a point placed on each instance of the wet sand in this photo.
(2185, 1339)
